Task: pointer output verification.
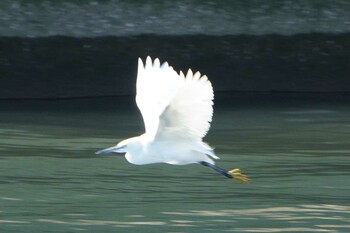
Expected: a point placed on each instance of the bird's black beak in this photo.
(115, 149)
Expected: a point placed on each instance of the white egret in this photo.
(177, 111)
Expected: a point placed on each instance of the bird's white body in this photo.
(177, 111)
(176, 152)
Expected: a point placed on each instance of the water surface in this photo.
(294, 149)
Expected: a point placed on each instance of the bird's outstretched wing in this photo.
(173, 105)
(156, 87)
(190, 112)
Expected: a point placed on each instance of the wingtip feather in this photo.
(156, 63)
(196, 76)
(182, 74)
(140, 66)
(189, 73)
(148, 61)
(164, 65)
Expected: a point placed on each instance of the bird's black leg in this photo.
(216, 168)
(232, 174)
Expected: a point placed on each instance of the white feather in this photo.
(190, 111)
(175, 108)
(156, 86)
(177, 111)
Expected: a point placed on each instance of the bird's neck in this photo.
(140, 152)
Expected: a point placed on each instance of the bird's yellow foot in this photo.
(237, 175)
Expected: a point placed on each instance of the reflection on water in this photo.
(295, 152)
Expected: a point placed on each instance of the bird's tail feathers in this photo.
(206, 149)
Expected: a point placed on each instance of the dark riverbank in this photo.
(60, 67)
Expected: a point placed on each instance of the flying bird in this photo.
(177, 110)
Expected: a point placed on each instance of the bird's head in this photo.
(124, 146)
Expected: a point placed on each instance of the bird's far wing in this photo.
(156, 86)
(190, 112)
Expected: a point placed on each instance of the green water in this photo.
(296, 153)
